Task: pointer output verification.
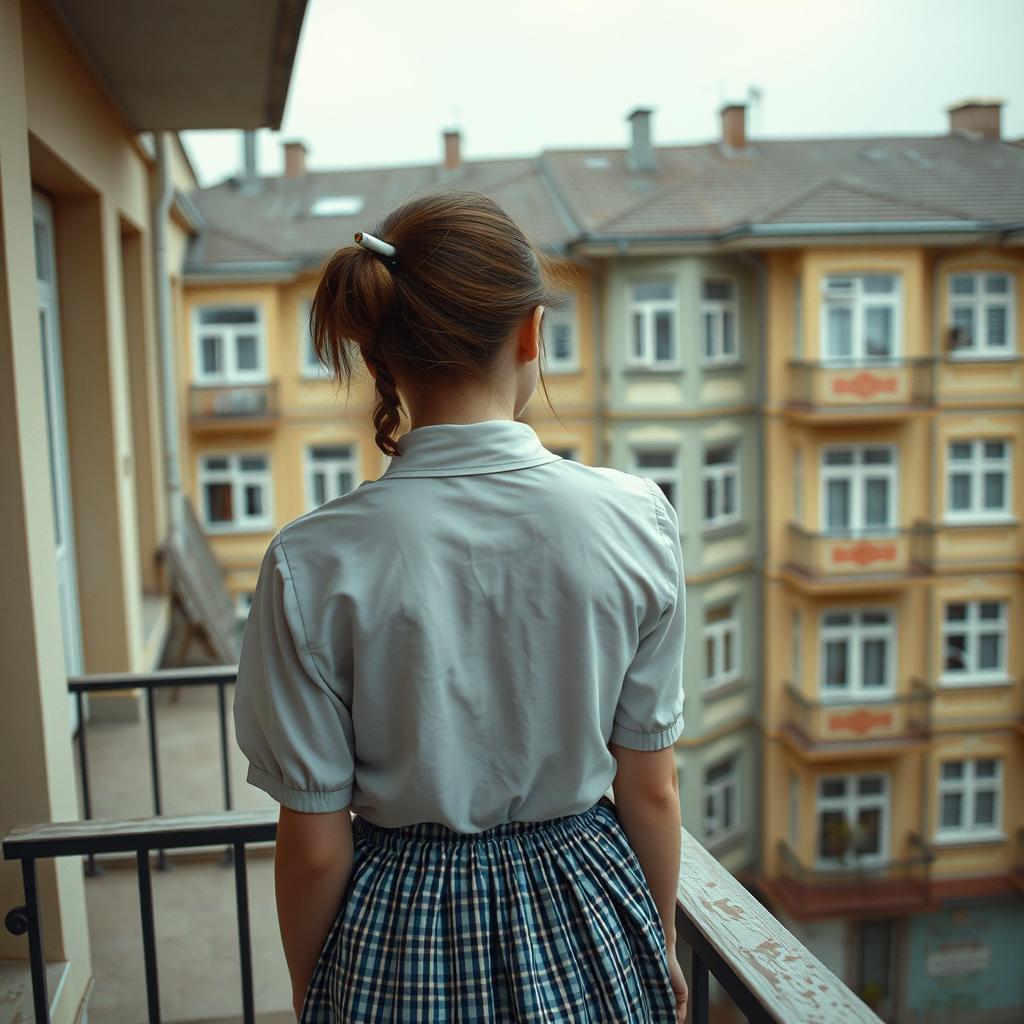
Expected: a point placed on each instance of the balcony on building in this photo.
(843, 558)
(214, 408)
(856, 725)
(845, 877)
(859, 389)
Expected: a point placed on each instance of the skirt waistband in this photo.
(435, 831)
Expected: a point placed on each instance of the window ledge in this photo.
(726, 842)
(979, 522)
(974, 684)
(716, 531)
(969, 839)
(559, 371)
(712, 692)
(984, 357)
(724, 364)
(641, 369)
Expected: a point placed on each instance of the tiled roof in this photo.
(563, 196)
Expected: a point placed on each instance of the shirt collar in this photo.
(463, 449)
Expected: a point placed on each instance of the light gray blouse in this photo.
(459, 640)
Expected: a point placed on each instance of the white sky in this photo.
(375, 83)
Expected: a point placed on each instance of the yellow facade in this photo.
(930, 399)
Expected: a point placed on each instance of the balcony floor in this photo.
(194, 902)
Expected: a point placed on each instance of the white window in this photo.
(859, 488)
(721, 644)
(853, 820)
(978, 480)
(974, 641)
(652, 324)
(721, 485)
(659, 465)
(330, 473)
(860, 318)
(560, 338)
(311, 366)
(228, 345)
(981, 314)
(721, 798)
(235, 492)
(970, 795)
(719, 326)
(857, 653)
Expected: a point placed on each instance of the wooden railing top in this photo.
(787, 982)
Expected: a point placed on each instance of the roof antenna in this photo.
(755, 98)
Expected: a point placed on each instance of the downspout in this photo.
(165, 338)
(756, 260)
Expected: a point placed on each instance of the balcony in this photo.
(216, 947)
(233, 407)
(825, 729)
(820, 560)
(859, 389)
(897, 886)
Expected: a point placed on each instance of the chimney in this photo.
(981, 117)
(295, 159)
(249, 180)
(734, 126)
(641, 152)
(452, 149)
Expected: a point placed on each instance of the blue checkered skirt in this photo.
(528, 921)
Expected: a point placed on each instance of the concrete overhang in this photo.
(192, 63)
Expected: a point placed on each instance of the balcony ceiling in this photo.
(190, 63)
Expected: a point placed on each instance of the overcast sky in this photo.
(375, 83)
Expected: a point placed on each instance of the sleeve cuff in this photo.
(634, 739)
(310, 801)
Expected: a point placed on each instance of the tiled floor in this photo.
(194, 901)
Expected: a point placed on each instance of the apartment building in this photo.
(813, 346)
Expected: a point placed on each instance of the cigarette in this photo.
(370, 242)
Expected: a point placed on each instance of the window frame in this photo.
(979, 305)
(717, 310)
(858, 471)
(312, 465)
(648, 309)
(715, 476)
(976, 469)
(569, 317)
(716, 792)
(228, 334)
(716, 632)
(855, 635)
(968, 788)
(859, 299)
(850, 803)
(973, 626)
(238, 480)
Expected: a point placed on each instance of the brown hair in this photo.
(465, 276)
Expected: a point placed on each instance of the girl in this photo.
(467, 653)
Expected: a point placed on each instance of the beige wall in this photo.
(60, 134)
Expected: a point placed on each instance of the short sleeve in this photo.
(649, 714)
(293, 728)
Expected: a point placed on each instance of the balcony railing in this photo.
(862, 884)
(863, 386)
(234, 405)
(845, 555)
(81, 686)
(843, 721)
(759, 964)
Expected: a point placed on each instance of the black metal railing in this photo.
(141, 836)
(758, 963)
(80, 686)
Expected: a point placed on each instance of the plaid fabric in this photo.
(535, 922)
